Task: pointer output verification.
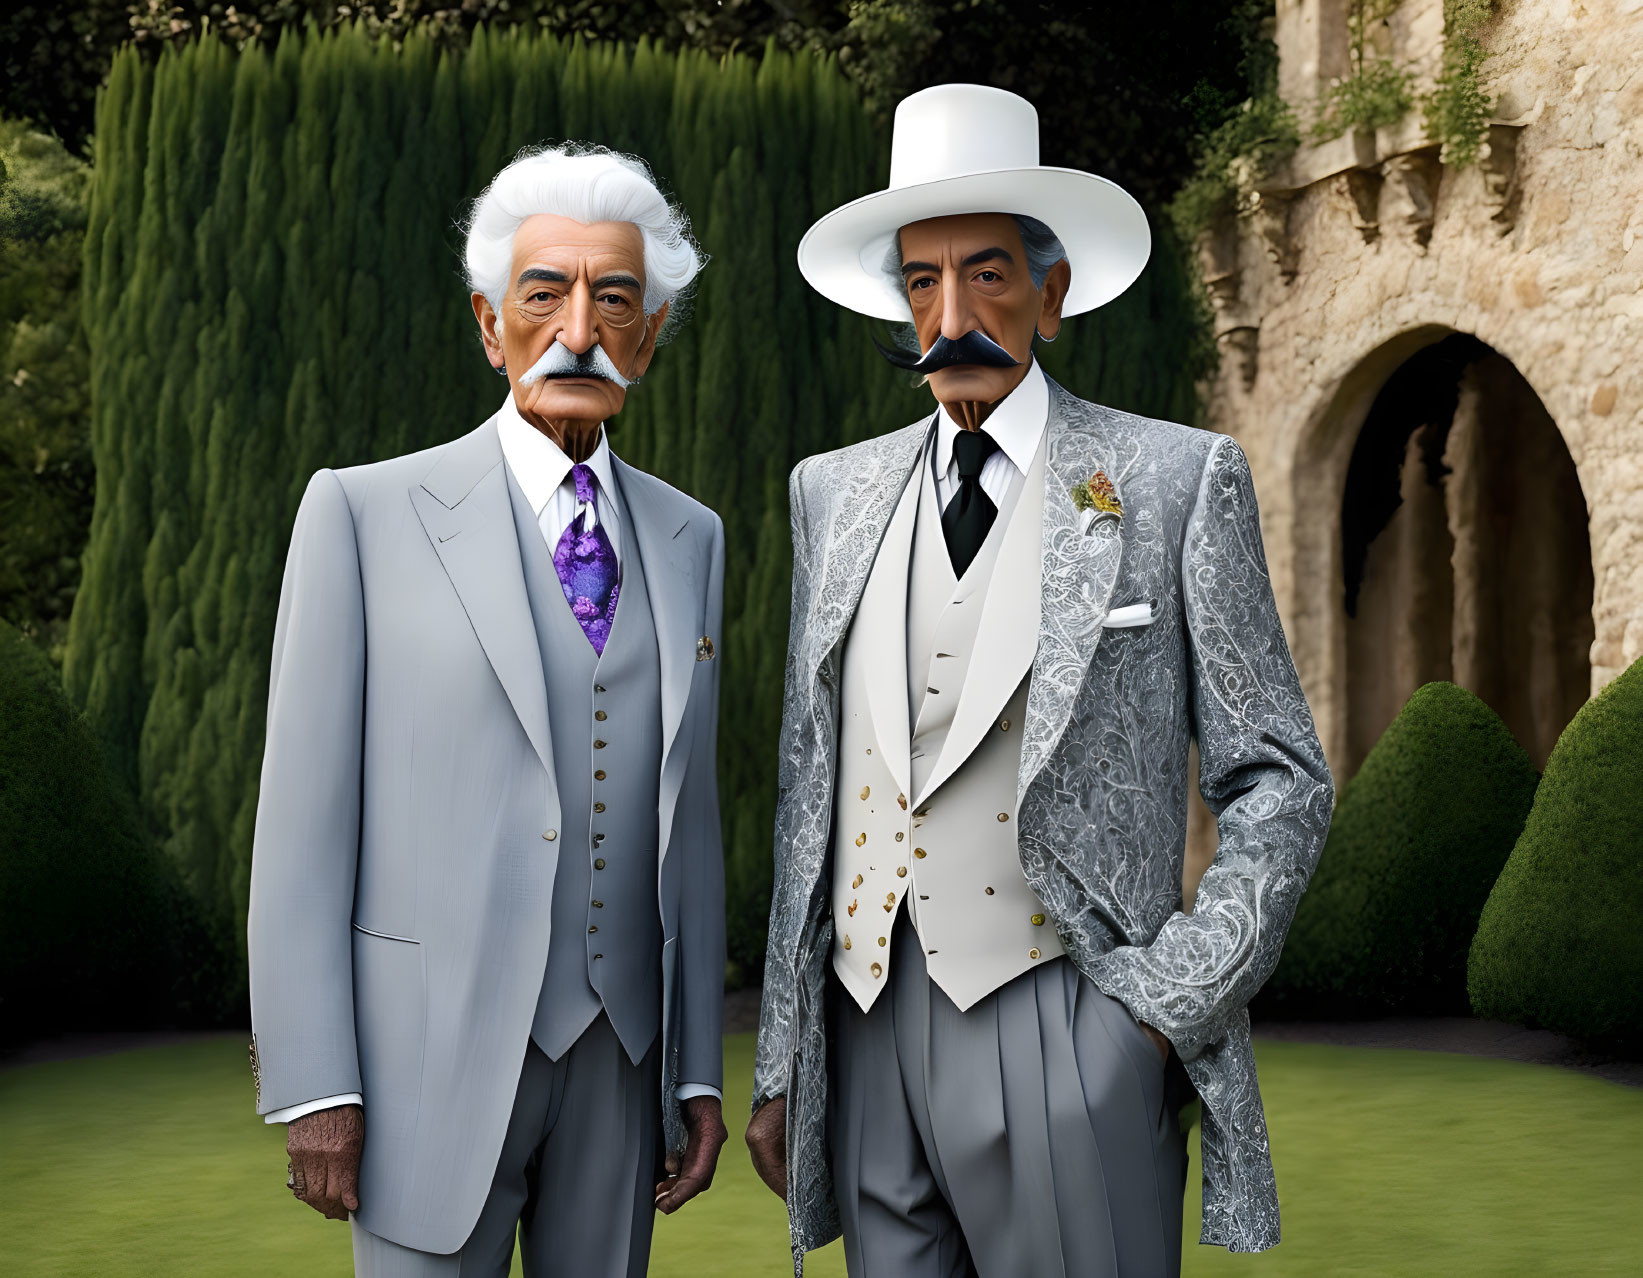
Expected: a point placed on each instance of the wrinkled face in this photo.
(969, 271)
(581, 284)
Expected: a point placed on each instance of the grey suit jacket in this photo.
(402, 868)
(1103, 776)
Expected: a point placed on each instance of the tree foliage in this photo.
(95, 930)
(272, 284)
(46, 473)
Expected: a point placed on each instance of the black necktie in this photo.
(971, 512)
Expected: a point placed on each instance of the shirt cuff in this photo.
(686, 1090)
(308, 1107)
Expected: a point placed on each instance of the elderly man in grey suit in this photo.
(486, 927)
(983, 1000)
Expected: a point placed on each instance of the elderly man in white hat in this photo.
(984, 1005)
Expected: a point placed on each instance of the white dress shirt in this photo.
(543, 471)
(1017, 425)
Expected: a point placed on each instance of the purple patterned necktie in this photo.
(586, 563)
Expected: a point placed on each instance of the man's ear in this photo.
(490, 330)
(647, 347)
(1053, 294)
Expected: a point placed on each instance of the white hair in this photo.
(587, 183)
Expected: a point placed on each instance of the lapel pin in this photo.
(1096, 497)
(704, 649)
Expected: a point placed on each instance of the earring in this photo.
(1042, 338)
(503, 369)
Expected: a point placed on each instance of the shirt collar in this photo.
(538, 463)
(1016, 424)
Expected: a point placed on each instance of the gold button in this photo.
(877, 971)
(593, 929)
(900, 836)
(598, 807)
(550, 835)
(598, 687)
(599, 864)
(1038, 920)
(856, 882)
(1033, 953)
(869, 749)
(599, 775)
(901, 871)
(598, 905)
(600, 715)
(1003, 725)
(598, 745)
(861, 838)
(883, 940)
(1003, 816)
(865, 790)
(902, 799)
(920, 853)
(989, 891)
(852, 910)
(847, 942)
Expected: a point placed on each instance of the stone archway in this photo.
(1462, 549)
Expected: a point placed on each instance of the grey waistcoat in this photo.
(606, 942)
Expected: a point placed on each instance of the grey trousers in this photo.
(1033, 1136)
(577, 1175)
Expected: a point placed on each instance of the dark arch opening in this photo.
(1464, 548)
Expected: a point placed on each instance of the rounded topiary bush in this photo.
(1418, 836)
(1560, 943)
(95, 929)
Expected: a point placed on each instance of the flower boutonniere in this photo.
(1096, 497)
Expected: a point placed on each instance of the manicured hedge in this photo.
(1418, 836)
(1560, 943)
(95, 929)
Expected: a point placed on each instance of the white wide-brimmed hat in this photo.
(967, 148)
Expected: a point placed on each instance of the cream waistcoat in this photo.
(934, 691)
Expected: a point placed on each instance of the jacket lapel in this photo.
(465, 510)
(1079, 569)
(848, 537)
(882, 620)
(675, 581)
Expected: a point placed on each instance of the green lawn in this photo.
(1389, 1163)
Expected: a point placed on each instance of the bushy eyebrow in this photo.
(993, 254)
(542, 273)
(549, 276)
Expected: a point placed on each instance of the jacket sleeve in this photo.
(778, 1007)
(305, 846)
(1261, 771)
(702, 898)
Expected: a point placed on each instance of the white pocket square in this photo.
(1138, 614)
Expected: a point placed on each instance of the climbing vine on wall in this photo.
(1376, 92)
(1457, 110)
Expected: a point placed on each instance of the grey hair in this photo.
(587, 183)
(1043, 250)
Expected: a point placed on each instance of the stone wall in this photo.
(1362, 251)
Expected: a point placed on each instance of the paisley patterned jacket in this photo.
(1104, 772)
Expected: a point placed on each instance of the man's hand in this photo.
(324, 1147)
(691, 1174)
(767, 1142)
(1158, 1040)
